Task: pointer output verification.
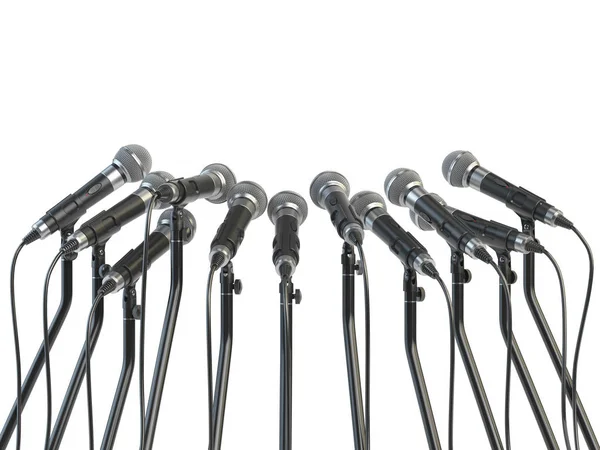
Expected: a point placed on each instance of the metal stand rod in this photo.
(168, 331)
(412, 295)
(112, 426)
(62, 420)
(504, 262)
(354, 384)
(222, 379)
(548, 338)
(55, 327)
(459, 277)
(286, 288)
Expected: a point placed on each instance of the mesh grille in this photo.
(135, 160)
(252, 191)
(286, 198)
(397, 183)
(327, 179)
(364, 201)
(456, 165)
(225, 174)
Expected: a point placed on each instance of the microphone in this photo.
(462, 169)
(131, 164)
(495, 234)
(404, 187)
(330, 190)
(129, 268)
(105, 224)
(246, 201)
(287, 211)
(213, 184)
(372, 212)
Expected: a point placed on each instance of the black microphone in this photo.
(404, 187)
(246, 201)
(330, 191)
(129, 268)
(105, 224)
(131, 164)
(287, 211)
(372, 212)
(461, 169)
(497, 235)
(213, 184)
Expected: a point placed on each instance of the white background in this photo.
(280, 91)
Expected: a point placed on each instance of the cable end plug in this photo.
(563, 222)
(69, 247)
(482, 254)
(32, 236)
(430, 270)
(534, 247)
(108, 287)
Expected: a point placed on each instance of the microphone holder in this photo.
(412, 296)
(55, 327)
(130, 314)
(349, 267)
(504, 262)
(548, 337)
(460, 276)
(168, 331)
(62, 420)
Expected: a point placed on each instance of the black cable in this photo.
(209, 357)
(88, 369)
(47, 350)
(509, 333)
(149, 209)
(452, 363)
(563, 296)
(13, 309)
(367, 346)
(586, 307)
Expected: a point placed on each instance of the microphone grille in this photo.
(457, 165)
(227, 180)
(419, 221)
(324, 180)
(252, 192)
(135, 161)
(398, 184)
(189, 223)
(152, 181)
(287, 199)
(365, 201)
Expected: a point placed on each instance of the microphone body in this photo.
(462, 169)
(131, 163)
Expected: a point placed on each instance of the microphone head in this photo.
(398, 184)
(227, 178)
(287, 200)
(364, 201)
(421, 223)
(134, 161)
(320, 186)
(152, 181)
(457, 166)
(252, 193)
(189, 223)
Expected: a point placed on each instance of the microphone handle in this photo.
(494, 234)
(400, 242)
(341, 213)
(130, 266)
(231, 232)
(188, 190)
(286, 244)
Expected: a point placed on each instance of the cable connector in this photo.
(430, 270)
(69, 247)
(107, 288)
(32, 236)
(483, 255)
(563, 222)
(535, 247)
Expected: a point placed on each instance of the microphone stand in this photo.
(54, 329)
(62, 420)
(168, 331)
(349, 267)
(460, 276)
(412, 296)
(130, 314)
(504, 262)
(287, 294)
(548, 337)
(229, 286)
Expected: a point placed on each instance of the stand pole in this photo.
(286, 292)
(548, 337)
(459, 277)
(55, 327)
(112, 426)
(62, 420)
(168, 331)
(354, 384)
(413, 295)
